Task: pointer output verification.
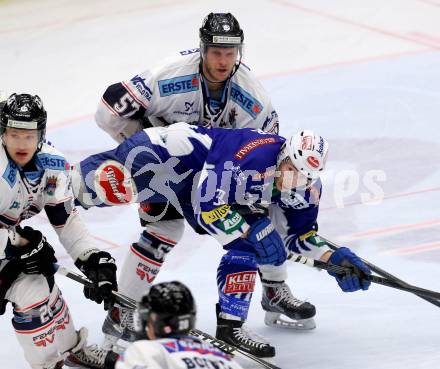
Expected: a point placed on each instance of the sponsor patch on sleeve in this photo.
(114, 185)
(10, 174)
(56, 162)
(179, 85)
(246, 101)
(215, 214)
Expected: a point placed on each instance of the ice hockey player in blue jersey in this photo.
(207, 86)
(256, 193)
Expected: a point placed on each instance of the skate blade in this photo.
(277, 320)
(112, 343)
(109, 341)
(72, 364)
(247, 364)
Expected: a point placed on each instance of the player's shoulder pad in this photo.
(195, 50)
(178, 77)
(51, 158)
(248, 93)
(247, 80)
(178, 64)
(257, 150)
(314, 193)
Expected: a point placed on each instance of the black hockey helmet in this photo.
(221, 30)
(23, 111)
(170, 309)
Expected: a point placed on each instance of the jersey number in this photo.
(126, 106)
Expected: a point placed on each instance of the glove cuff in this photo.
(84, 256)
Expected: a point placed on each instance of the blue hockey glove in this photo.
(354, 280)
(267, 242)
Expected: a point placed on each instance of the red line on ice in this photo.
(353, 23)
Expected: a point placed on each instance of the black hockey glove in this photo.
(38, 256)
(8, 275)
(100, 268)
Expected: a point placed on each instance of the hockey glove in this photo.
(354, 280)
(38, 256)
(100, 268)
(267, 243)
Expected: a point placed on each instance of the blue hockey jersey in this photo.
(220, 179)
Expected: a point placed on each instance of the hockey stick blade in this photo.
(373, 278)
(385, 274)
(130, 303)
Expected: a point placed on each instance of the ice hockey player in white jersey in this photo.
(34, 176)
(164, 317)
(208, 87)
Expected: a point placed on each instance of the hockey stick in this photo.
(338, 269)
(130, 303)
(385, 274)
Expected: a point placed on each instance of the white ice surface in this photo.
(365, 74)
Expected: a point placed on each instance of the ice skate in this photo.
(278, 302)
(118, 325)
(235, 333)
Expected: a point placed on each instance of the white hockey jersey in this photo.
(47, 186)
(177, 92)
(171, 353)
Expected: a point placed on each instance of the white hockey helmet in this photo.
(307, 151)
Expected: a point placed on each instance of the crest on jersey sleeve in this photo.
(51, 185)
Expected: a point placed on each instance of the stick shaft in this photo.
(373, 278)
(130, 303)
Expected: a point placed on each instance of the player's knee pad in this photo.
(146, 256)
(158, 239)
(236, 276)
(139, 270)
(44, 329)
(27, 291)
